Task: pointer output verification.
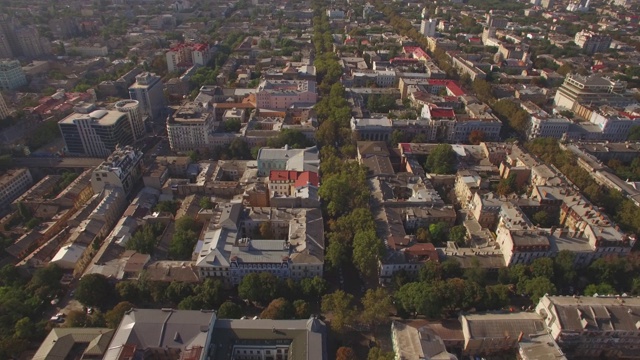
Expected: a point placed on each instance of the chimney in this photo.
(520, 336)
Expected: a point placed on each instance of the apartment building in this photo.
(233, 247)
(591, 42)
(11, 75)
(593, 89)
(134, 114)
(190, 127)
(542, 124)
(13, 184)
(97, 134)
(603, 326)
(282, 94)
(4, 109)
(148, 91)
(184, 56)
(122, 169)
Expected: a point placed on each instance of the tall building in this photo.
(11, 75)
(148, 91)
(4, 109)
(30, 43)
(547, 3)
(132, 109)
(189, 128)
(122, 169)
(13, 184)
(593, 89)
(96, 134)
(5, 46)
(428, 27)
(591, 42)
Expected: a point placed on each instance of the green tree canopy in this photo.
(229, 310)
(441, 160)
(367, 250)
(278, 309)
(340, 305)
(95, 290)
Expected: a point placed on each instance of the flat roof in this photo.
(102, 118)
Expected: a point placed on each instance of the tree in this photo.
(438, 232)
(600, 289)
(367, 250)
(301, 309)
(128, 291)
(167, 206)
(564, 268)
(25, 328)
(294, 138)
(375, 353)
(94, 290)
(377, 306)
(144, 240)
(346, 353)
(337, 254)
(265, 230)
(538, 287)
(232, 125)
(229, 310)
(507, 185)
(115, 315)
(564, 69)
(450, 268)
(634, 133)
(177, 291)
(483, 90)
(313, 288)
(76, 318)
(278, 309)
(205, 202)
(542, 267)
(541, 218)
(182, 244)
(258, 287)
(458, 234)
(441, 160)
(496, 297)
(423, 235)
(476, 137)
(340, 305)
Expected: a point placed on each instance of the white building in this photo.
(228, 251)
(591, 42)
(428, 27)
(288, 159)
(122, 169)
(13, 184)
(605, 327)
(184, 56)
(593, 89)
(281, 94)
(98, 133)
(544, 125)
(11, 75)
(134, 114)
(190, 128)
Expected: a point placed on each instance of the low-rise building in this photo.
(234, 243)
(281, 94)
(593, 327)
(486, 334)
(288, 159)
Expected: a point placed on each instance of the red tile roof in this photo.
(307, 177)
(442, 113)
(283, 175)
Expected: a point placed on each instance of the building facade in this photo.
(4, 109)
(13, 184)
(281, 94)
(134, 114)
(591, 42)
(190, 128)
(122, 169)
(11, 75)
(96, 134)
(149, 93)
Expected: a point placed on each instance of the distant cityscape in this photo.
(288, 180)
